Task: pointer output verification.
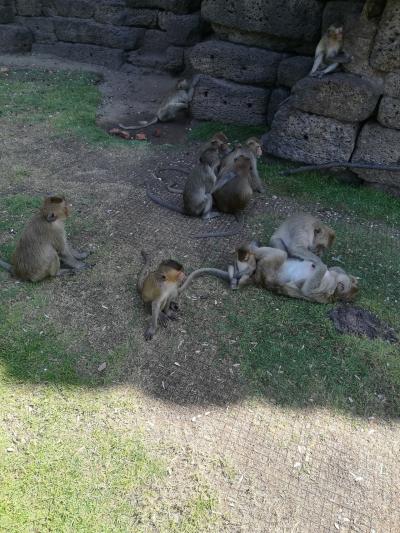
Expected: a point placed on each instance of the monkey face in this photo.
(255, 146)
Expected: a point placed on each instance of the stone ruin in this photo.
(253, 57)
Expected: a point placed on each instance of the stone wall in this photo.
(253, 57)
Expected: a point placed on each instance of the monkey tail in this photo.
(219, 234)
(164, 203)
(142, 273)
(139, 126)
(202, 272)
(174, 190)
(6, 266)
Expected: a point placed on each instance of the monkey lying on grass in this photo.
(43, 245)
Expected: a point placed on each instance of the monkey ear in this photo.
(51, 217)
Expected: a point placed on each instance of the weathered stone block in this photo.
(6, 14)
(15, 39)
(106, 57)
(75, 8)
(236, 62)
(389, 113)
(293, 69)
(176, 6)
(88, 32)
(216, 99)
(42, 28)
(344, 97)
(117, 13)
(28, 8)
(386, 52)
(278, 96)
(339, 12)
(170, 60)
(309, 138)
(181, 30)
(299, 21)
(392, 84)
(155, 41)
(377, 144)
(358, 41)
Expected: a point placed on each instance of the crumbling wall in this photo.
(253, 57)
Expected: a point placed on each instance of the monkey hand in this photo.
(172, 315)
(149, 333)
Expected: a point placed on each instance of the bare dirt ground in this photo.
(309, 470)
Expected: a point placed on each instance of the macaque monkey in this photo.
(175, 100)
(303, 236)
(253, 150)
(302, 279)
(43, 245)
(199, 187)
(238, 274)
(221, 141)
(234, 195)
(241, 272)
(329, 52)
(158, 289)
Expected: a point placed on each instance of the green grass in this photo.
(66, 100)
(291, 353)
(312, 187)
(205, 130)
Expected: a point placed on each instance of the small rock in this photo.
(102, 367)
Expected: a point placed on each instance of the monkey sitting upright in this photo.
(302, 279)
(253, 150)
(329, 52)
(234, 195)
(43, 244)
(304, 237)
(175, 100)
(199, 186)
(159, 289)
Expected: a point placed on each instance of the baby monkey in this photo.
(43, 245)
(329, 52)
(158, 289)
(175, 100)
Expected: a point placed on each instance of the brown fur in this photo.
(44, 242)
(235, 195)
(252, 149)
(304, 236)
(158, 289)
(322, 286)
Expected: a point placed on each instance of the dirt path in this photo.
(307, 470)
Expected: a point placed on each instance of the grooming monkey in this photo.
(234, 195)
(329, 52)
(44, 243)
(302, 279)
(253, 150)
(304, 237)
(237, 275)
(175, 100)
(218, 141)
(199, 186)
(159, 289)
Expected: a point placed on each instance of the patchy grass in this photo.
(321, 188)
(205, 130)
(290, 351)
(65, 100)
(330, 193)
